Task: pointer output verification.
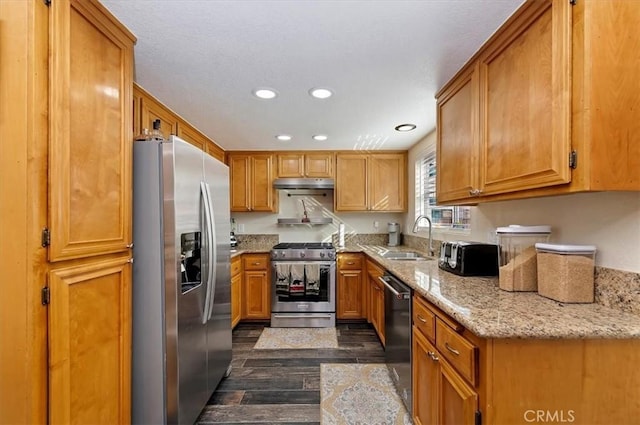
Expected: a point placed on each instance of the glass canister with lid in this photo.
(566, 272)
(518, 265)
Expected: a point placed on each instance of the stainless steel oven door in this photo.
(303, 286)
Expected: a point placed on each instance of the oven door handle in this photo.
(303, 316)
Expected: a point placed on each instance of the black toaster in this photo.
(469, 258)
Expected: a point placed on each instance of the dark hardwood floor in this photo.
(283, 386)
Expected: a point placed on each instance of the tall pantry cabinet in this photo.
(83, 192)
(90, 173)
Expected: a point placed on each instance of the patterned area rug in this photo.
(288, 338)
(361, 394)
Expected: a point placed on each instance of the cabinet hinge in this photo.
(478, 418)
(46, 237)
(45, 296)
(47, 2)
(573, 159)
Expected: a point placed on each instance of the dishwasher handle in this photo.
(393, 285)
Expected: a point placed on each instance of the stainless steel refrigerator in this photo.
(181, 280)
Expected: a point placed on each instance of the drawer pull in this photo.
(256, 264)
(351, 263)
(453, 350)
(433, 356)
(422, 319)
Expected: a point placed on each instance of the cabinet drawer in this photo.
(424, 319)
(350, 261)
(255, 261)
(236, 266)
(457, 350)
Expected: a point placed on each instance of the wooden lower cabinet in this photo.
(236, 290)
(460, 378)
(377, 307)
(90, 343)
(256, 298)
(349, 286)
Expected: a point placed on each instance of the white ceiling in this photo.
(384, 60)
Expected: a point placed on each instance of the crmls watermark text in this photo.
(549, 416)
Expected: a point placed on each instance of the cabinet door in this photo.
(351, 183)
(262, 191)
(458, 402)
(256, 295)
(290, 165)
(240, 176)
(424, 381)
(377, 309)
(318, 165)
(457, 139)
(214, 150)
(89, 343)
(191, 135)
(152, 110)
(387, 182)
(349, 294)
(236, 299)
(90, 132)
(526, 105)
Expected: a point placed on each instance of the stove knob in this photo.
(322, 255)
(331, 254)
(302, 255)
(282, 254)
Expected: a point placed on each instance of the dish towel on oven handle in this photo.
(296, 284)
(283, 276)
(312, 271)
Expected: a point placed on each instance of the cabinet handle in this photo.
(475, 192)
(351, 263)
(130, 245)
(433, 356)
(255, 264)
(130, 260)
(422, 319)
(453, 350)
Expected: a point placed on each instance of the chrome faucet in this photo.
(415, 230)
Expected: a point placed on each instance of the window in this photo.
(442, 217)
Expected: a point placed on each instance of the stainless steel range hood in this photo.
(303, 183)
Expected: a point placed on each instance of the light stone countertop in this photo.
(482, 307)
(251, 248)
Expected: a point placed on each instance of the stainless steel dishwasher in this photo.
(397, 328)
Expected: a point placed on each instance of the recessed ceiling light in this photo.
(320, 93)
(283, 137)
(320, 137)
(406, 127)
(265, 93)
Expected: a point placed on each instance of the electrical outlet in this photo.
(240, 228)
(376, 224)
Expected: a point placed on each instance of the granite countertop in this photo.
(251, 248)
(482, 307)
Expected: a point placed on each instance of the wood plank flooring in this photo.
(283, 386)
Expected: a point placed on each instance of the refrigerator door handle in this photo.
(210, 248)
(211, 285)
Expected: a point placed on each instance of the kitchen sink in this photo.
(404, 255)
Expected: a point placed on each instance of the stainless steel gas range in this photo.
(303, 285)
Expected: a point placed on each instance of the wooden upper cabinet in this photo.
(91, 132)
(525, 107)
(319, 165)
(457, 138)
(606, 124)
(387, 178)
(190, 134)
(551, 120)
(214, 150)
(374, 182)
(251, 178)
(351, 183)
(152, 110)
